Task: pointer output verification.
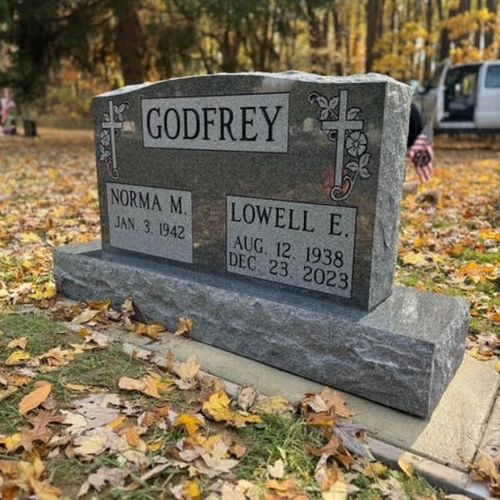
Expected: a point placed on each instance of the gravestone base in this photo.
(401, 354)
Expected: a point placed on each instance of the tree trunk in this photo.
(129, 40)
(444, 38)
(374, 11)
(492, 6)
(318, 26)
(428, 60)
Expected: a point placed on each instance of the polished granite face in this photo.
(289, 180)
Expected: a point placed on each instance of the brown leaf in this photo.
(36, 397)
(147, 385)
(85, 316)
(152, 331)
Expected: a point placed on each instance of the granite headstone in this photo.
(277, 196)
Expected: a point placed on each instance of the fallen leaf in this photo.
(36, 397)
(272, 405)
(190, 422)
(147, 385)
(246, 398)
(375, 469)
(218, 408)
(44, 490)
(405, 465)
(184, 327)
(85, 316)
(276, 470)
(152, 331)
(186, 372)
(237, 450)
(17, 358)
(19, 343)
(93, 443)
(349, 433)
(5, 393)
(78, 387)
(112, 476)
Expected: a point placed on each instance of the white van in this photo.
(463, 98)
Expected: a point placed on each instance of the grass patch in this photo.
(480, 257)
(279, 437)
(42, 334)
(10, 418)
(70, 473)
(100, 367)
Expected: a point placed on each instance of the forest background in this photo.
(57, 54)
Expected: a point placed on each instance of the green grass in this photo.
(480, 257)
(41, 333)
(279, 437)
(100, 367)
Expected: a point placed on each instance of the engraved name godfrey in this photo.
(150, 220)
(299, 244)
(254, 122)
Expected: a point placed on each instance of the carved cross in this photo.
(112, 126)
(340, 126)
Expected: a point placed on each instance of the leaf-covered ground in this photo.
(79, 415)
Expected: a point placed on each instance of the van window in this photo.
(493, 77)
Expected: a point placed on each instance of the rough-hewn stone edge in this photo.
(298, 76)
(70, 268)
(390, 188)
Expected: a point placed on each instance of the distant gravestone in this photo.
(266, 207)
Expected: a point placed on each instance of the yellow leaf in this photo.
(406, 466)
(218, 408)
(17, 358)
(192, 490)
(5, 393)
(29, 238)
(272, 404)
(46, 291)
(36, 397)
(156, 445)
(375, 469)
(77, 387)
(414, 259)
(484, 355)
(19, 343)
(11, 442)
(190, 422)
(117, 423)
(44, 490)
